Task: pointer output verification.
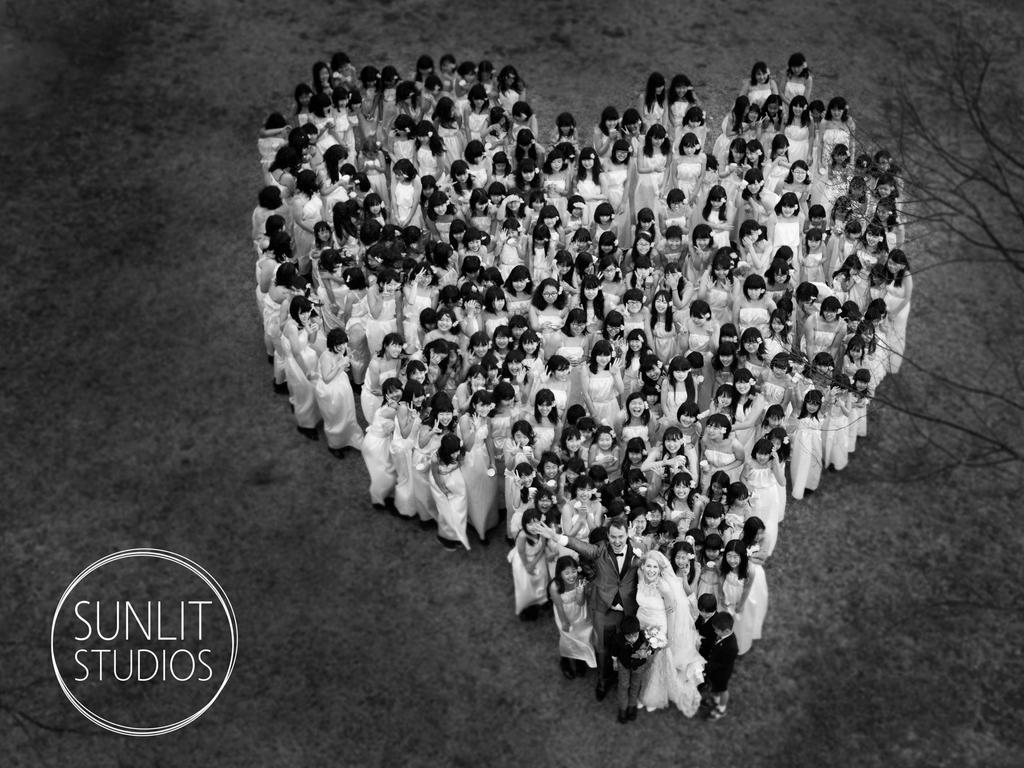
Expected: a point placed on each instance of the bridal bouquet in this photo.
(655, 637)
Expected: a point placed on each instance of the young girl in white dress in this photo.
(448, 488)
(529, 560)
(334, 396)
(385, 364)
(761, 84)
(786, 226)
(737, 589)
(302, 345)
(835, 432)
(590, 183)
(805, 464)
(478, 467)
(544, 421)
(897, 304)
(567, 592)
(686, 570)
(836, 129)
(649, 170)
(440, 420)
(765, 477)
(720, 451)
(615, 175)
(403, 440)
(602, 385)
(799, 131)
(376, 448)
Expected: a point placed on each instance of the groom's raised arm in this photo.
(584, 548)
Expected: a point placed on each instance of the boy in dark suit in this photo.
(631, 652)
(721, 661)
(707, 606)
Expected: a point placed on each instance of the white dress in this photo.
(272, 331)
(376, 452)
(338, 195)
(749, 622)
(379, 327)
(669, 680)
(574, 639)
(301, 391)
(766, 500)
(416, 300)
(896, 325)
(786, 232)
(835, 439)
(530, 589)
(423, 498)
(402, 458)
(337, 406)
(720, 458)
(754, 317)
(310, 212)
(406, 204)
(590, 192)
(688, 170)
(805, 464)
(648, 184)
(481, 488)
(451, 506)
(615, 181)
(793, 89)
(759, 93)
(799, 137)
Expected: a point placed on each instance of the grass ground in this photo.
(139, 413)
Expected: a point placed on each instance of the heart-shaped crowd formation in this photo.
(624, 342)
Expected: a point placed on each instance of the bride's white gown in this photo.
(677, 669)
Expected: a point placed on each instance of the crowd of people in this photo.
(617, 346)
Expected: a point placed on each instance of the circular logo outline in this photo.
(196, 570)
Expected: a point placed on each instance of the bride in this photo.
(678, 668)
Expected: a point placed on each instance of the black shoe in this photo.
(426, 525)
(581, 667)
(448, 544)
(631, 713)
(338, 453)
(484, 541)
(568, 672)
(282, 388)
(309, 433)
(529, 613)
(601, 691)
(623, 716)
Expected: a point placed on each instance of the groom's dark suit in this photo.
(613, 595)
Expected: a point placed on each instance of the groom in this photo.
(614, 593)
